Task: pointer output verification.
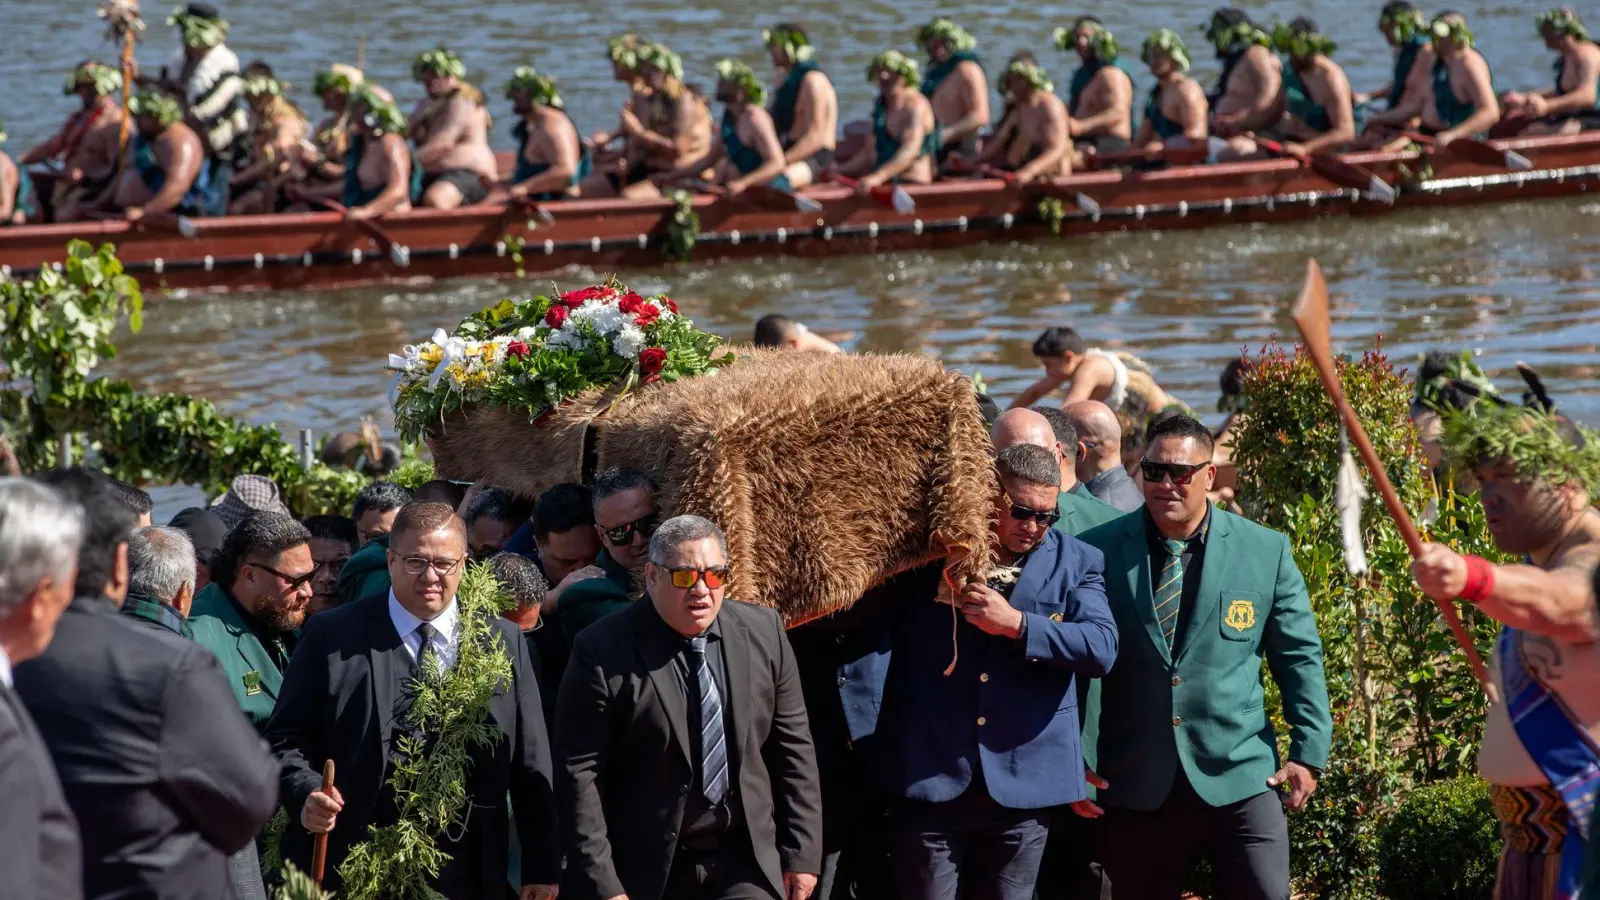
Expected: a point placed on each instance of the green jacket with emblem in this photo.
(586, 602)
(1081, 511)
(366, 572)
(253, 673)
(1204, 710)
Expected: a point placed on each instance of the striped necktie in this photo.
(1169, 589)
(713, 738)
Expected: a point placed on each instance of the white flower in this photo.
(604, 318)
(526, 333)
(628, 342)
(566, 336)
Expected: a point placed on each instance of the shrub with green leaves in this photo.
(1441, 844)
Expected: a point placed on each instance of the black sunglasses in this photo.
(1022, 513)
(294, 581)
(623, 534)
(1180, 473)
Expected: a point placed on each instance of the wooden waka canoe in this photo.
(320, 250)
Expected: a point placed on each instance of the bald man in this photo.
(1078, 510)
(1100, 467)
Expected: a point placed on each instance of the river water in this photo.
(1513, 282)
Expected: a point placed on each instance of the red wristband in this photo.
(1480, 580)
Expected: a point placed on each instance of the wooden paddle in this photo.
(1046, 187)
(319, 844)
(399, 254)
(762, 195)
(894, 197)
(1481, 152)
(1336, 170)
(1310, 315)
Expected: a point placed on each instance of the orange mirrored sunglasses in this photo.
(685, 578)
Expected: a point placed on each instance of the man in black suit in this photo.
(39, 536)
(346, 697)
(166, 776)
(687, 768)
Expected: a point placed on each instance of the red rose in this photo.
(521, 348)
(651, 359)
(670, 304)
(630, 302)
(575, 299)
(648, 313)
(556, 316)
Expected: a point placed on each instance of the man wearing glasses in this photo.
(981, 746)
(260, 590)
(625, 515)
(1201, 597)
(686, 763)
(347, 696)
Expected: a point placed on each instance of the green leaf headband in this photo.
(1301, 44)
(439, 62)
(378, 113)
(1039, 78)
(161, 107)
(624, 51)
(105, 79)
(1167, 41)
(1539, 445)
(1454, 30)
(541, 89)
(1406, 22)
(198, 31)
(1101, 43)
(1563, 21)
(954, 36)
(334, 80)
(737, 73)
(1236, 37)
(790, 40)
(1460, 368)
(659, 56)
(896, 62)
(262, 85)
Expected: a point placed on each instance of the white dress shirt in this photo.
(5, 668)
(444, 631)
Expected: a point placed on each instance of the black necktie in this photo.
(427, 656)
(713, 738)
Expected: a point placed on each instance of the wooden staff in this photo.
(125, 130)
(1310, 315)
(319, 844)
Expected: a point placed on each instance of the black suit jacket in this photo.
(166, 775)
(625, 752)
(39, 853)
(339, 701)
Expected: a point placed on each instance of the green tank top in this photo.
(1082, 78)
(1159, 123)
(526, 170)
(786, 96)
(887, 144)
(1298, 102)
(357, 195)
(938, 72)
(1403, 61)
(1452, 112)
(1560, 68)
(745, 159)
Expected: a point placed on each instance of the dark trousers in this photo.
(970, 848)
(1148, 854)
(1070, 870)
(729, 872)
(855, 835)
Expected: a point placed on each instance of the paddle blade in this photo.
(806, 204)
(400, 255)
(902, 202)
(1310, 313)
(544, 215)
(1087, 204)
(1517, 162)
(186, 227)
(1382, 190)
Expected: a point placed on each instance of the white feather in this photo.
(1348, 495)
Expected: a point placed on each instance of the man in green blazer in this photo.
(625, 515)
(1201, 597)
(247, 615)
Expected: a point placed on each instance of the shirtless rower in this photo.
(1573, 105)
(165, 167)
(84, 152)
(805, 109)
(451, 130)
(551, 160)
(1005, 147)
(1460, 101)
(614, 163)
(903, 141)
(1536, 476)
(1176, 114)
(16, 190)
(1404, 27)
(956, 86)
(278, 145)
(1090, 374)
(1100, 97)
(380, 177)
(1249, 92)
(331, 137)
(672, 128)
(1042, 133)
(1318, 110)
(747, 150)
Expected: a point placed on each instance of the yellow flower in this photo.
(432, 354)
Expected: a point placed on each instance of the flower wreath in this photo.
(441, 62)
(1168, 42)
(1029, 72)
(1563, 21)
(623, 50)
(659, 56)
(262, 86)
(898, 63)
(744, 78)
(1406, 22)
(1237, 37)
(338, 78)
(1452, 28)
(105, 79)
(954, 36)
(791, 40)
(541, 89)
(1301, 42)
(162, 108)
(378, 112)
(1101, 42)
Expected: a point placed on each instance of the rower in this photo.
(380, 175)
(1100, 97)
(551, 160)
(805, 109)
(1318, 110)
(1248, 96)
(16, 190)
(1573, 105)
(747, 150)
(205, 74)
(166, 169)
(277, 154)
(331, 137)
(1176, 113)
(451, 130)
(612, 165)
(956, 86)
(1004, 147)
(1404, 27)
(1461, 101)
(85, 150)
(1042, 134)
(904, 134)
(672, 128)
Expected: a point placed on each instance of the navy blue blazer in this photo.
(1010, 705)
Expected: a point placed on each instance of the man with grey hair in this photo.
(625, 515)
(161, 576)
(1100, 466)
(686, 703)
(39, 537)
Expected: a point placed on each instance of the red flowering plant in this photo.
(535, 354)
